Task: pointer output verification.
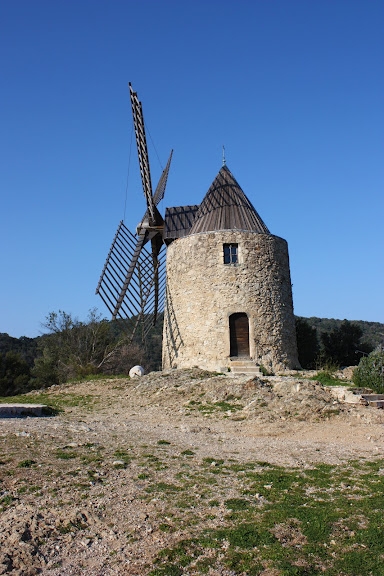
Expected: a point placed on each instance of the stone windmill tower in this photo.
(228, 285)
(227, 279)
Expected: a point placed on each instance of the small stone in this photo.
(86, 542)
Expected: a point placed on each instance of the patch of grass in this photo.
(37, 490)
(64, 454)
(172, 559)
(163, 527)
(326, 378)
(237, 504)
(227, 406)
(123, 455)
(26, 463)
(151, 457)
(163, 443)
(96, 458)
(242, 466)
(324, 520)
(6, 501)
(208, 408)
(244, 536)
(187, 453)
(203, 566)
(143, 476)
(186, 502)
(55, 402)
(163, 487)
(243, 563)
(120, 465)
(94, 477)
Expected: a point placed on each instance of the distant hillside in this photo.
(373, 332)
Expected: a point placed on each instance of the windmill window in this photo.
(231, 253)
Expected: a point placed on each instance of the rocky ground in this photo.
(95, 489)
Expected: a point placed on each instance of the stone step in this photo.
(238, 370)
(244, 367)
(376, 400)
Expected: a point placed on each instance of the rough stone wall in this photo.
(202, 292)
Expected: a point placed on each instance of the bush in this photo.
(370, 371)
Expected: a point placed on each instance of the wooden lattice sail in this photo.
(132, 283)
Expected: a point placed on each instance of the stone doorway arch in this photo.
(239, 335)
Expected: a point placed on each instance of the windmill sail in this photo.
(132, 283)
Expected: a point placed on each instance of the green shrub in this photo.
(370, 371)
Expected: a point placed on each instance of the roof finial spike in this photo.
(224, 163)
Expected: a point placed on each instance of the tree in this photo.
(45, 372)
(370, 371)
(307, 343)
(342, 345)
(72, 349)
(24, 346)
(14, 374)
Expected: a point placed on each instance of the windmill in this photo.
(132, 283)
(228, 287)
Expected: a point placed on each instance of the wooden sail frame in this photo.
(132, 282)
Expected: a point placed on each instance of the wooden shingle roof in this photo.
(178, 222)
(226, 207)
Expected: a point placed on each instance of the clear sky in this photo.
(294, 89)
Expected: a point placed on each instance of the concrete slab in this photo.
(18, 410)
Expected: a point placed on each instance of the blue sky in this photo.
(294, 89)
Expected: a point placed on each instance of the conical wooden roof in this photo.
(226, 207)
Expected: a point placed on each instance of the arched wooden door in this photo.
(239, 334)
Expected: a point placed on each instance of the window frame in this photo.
(231, 254)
